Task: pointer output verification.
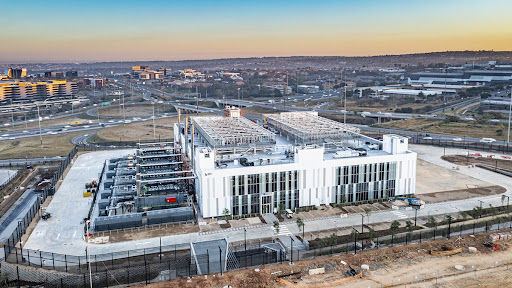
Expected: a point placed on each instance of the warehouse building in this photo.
(297, 159)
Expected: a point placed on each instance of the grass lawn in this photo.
(135, 110)
(260, 110)
(462, 128)
(54, 145)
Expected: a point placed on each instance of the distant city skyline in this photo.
(63, 31)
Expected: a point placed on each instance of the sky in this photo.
(103, 30)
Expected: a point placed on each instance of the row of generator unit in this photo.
(134, 220)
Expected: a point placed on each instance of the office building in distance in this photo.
(296, 159)
(19, 92)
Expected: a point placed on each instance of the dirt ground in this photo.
(135, 110)
(462, 194)
(461, 129)
(138, 234)
(464, 161)
(397, 266)
(433, 178)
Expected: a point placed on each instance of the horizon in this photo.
(250, 57)
(119, 31)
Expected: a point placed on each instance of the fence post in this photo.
(145, 270)
(106, 278)
(40, 258)
(79, 266)
(53, 260)
(85, 283)
(28, 257)
(18, 275)
(420, 236)
(66, 261)
(207, 262)
(96, 262)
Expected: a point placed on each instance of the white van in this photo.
(289, 213)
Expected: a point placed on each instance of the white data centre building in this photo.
(295, 159)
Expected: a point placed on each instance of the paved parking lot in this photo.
(68, 206)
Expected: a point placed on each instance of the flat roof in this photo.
(219, 131)
(309, 127)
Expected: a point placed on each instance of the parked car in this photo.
(46, 216)
(457, 139)
(428, 138)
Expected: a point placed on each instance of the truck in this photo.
(414, 202)
(76, 123)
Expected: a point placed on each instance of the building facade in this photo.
(289, 174)
(28, 91)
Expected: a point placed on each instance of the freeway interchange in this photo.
(286, 104)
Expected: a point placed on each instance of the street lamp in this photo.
(355, 240)
(362, 223)
(39, 118)
(449, 225)
(291, 250)
(480, 216)
(415, 214)
(154, 129)
(89, 252)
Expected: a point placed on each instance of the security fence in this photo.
(163, 263)
(34, 210)
(146, 268)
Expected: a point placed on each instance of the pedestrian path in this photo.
(283, 230)
(399, 214)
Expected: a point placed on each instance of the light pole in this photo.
(291, 250)
(355, 240)
(39, 119)
(362, 223)
(154, 129)
(415, 215)
(509, 114)
(480, 216)
(89, 252)
(238, 90)
(449, 225)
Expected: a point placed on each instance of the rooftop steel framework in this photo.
(308, 127)
(232, 132)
